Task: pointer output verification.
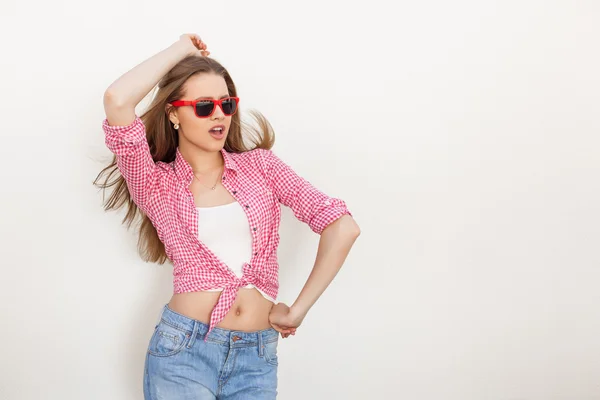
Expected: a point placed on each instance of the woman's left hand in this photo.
(284, 319)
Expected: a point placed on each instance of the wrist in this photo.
(298, 311)
(183, 48)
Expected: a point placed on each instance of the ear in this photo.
(171, 113)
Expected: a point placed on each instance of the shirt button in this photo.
(254, 229)
(255, 254)
(247, 206)
(235, 192)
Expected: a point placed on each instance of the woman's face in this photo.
(198, 131)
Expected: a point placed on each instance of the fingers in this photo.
(283, 330)
(285, 335)
(200, 45)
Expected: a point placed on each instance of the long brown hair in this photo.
(163, 141)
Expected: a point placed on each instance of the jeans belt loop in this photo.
(194, 334)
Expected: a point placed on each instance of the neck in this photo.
(201, 161)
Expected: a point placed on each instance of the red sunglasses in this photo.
(204, 108)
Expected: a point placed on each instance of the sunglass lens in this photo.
(204, 108)
(229, 106)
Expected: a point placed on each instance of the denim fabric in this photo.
(229, 365)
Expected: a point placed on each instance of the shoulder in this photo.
(255, 159)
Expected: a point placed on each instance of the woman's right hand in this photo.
(194, 44)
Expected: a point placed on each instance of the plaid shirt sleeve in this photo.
(134, 160)
(308, 203)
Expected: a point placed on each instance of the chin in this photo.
(217, 146)
(210, 147)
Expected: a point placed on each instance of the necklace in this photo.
(213, 187)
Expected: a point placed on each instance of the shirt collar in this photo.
(184, 171)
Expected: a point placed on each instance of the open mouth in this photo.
(218, 132)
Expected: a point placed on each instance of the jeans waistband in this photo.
(226, 337)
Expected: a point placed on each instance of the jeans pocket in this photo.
(167, 340)
(270, 351)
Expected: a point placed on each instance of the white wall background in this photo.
(464, 136)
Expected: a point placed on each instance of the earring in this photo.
(176, 126)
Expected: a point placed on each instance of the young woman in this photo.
(210, 204)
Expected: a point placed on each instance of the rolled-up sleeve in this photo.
(134, 159)
(309, 204)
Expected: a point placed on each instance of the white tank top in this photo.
(232, 245)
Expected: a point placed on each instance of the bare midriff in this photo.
(249, 312)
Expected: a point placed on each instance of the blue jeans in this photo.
(231, 365)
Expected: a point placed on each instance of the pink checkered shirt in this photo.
(258, 180)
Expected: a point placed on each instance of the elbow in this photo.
(114, 100)
(345, 226)
(349, 225)
(110, 98)
(354, 229)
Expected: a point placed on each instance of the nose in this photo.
(218, 113)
